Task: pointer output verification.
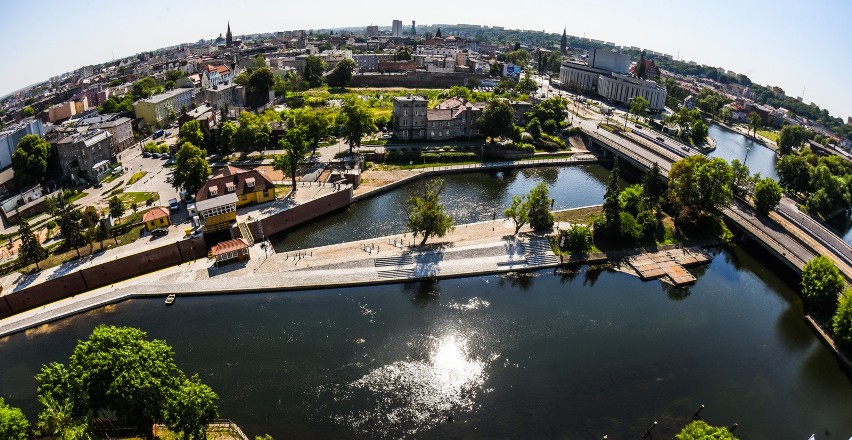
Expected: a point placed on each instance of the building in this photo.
(230, 95)
(396, 28)
(156, 217)
(397, 66)
(204, 114)
(622, 89)
(86, 155)
(689, 102)
(214, 76)
(453, 119)
(409, 117)
(218, 199)
(372, 31)
(10, 136)
(121, 129)
(230, 251)
(157, 110)
(369, 62)
(61, 112)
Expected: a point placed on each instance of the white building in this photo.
(622, 89)
(396, 28)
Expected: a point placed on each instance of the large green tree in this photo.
(70, 221)
(793, 173)
(191, 168)
(538, 205)
(791, 136)
(755, 122)
(612, 203)
(191, 132)
(31, 250)
(638, 106)
(252, 134)
(700, 430)
(191, 407)
(313, 70)
(518, 212)
(116, 207)
(821, 281)
(30, 160)
(341, 75)
(698, 133)
(295, 146)
(767, 194)
(842, 321)
(227, 133)
(316, 124)
(13, 423)
(497, 120)
(261, 80)
(653, 188)
(426, 215)
(699, 185)
(356, 120)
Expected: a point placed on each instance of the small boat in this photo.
(170, 299)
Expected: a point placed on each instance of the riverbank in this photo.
(760, 139)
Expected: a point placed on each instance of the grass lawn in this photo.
(137, 197)
(580, 215)
(112, 177)
(771, 135)
(77, 196)
(136, 176)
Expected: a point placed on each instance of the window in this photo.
(213, 191)
(416, 113)
(405, 122)
(266, 193)
(405, 113)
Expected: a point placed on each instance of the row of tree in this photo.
(824, 182)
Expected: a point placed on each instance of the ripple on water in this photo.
(408, 396)
(471, 304)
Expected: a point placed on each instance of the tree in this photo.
(726, 115)
(755, 122)
(227, 132)
(116, 207)
(791, 136)
(119, 370)
(261, 80)
(793, 172)
(426, 215)
(30, 160)
(612, 204)
(638, 106)
(316, 125)
(356, 120)
(27, 112)
(313, 70)
(295, 147)
(821, 281)
(767, 194)
(252, 134)
(518, 57)
(518, 212)
(191, 132)
(31, 250)
(630, 199)
(341, 75)
(13, 423)
(698, 134)
(71, 227)
(842, 321)
(145, 88)
(191, 407)
(699, 185)
(700, 430)
(526, 84)
(577, 239)
(459, 92)
(653, 188)
(497, 120)
(191, 168)
(741, 175)
(403, 54)
(534, 128)
(538, 204)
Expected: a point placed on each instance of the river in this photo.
(731, 145)
(574, 355)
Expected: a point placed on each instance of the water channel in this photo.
(576, 355)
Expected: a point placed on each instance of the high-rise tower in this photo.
(413, 29)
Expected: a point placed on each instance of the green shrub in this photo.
(630, 229)
(842, 322)
(577, 239)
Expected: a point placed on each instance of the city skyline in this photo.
(791, 45)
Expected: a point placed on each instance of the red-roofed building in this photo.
(156, 217)
(213, 76)
(230, 251)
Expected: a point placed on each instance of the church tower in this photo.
(229, 40)
(563, 45)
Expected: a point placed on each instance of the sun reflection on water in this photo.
(408, 396)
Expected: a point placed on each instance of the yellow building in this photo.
(220, 196)
(156, 217)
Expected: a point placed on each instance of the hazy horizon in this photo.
(794, 46)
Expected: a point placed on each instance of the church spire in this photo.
(229, 40)
(563, 45)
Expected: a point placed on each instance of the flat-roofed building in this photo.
(157, 109)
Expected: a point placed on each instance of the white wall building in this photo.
(396, 28)
(622, 89)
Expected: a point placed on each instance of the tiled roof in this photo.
(229, 246)
(439, 115)
(236, 177)
(155, 213)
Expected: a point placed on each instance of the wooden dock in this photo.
(669, 265)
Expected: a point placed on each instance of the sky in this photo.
(796, 45)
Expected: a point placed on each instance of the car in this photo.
(684, 148)
(160, 232)
(155, 155)
(385, 136)
(98, 185)
(660, 138)
(165, 156)
(638, 126)
(146, 154)
(173, 206)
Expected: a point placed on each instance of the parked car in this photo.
(173, 206)
(660, 138)
(385, 136)
(155, 155)
(146, 154)
(685, 148)
(160, 232)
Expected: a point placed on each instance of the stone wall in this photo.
(102, 274)
(422, 80)
(300, 214)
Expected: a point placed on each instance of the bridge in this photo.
(789, 234)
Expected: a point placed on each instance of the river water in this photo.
(731, 145)
(574, 355)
